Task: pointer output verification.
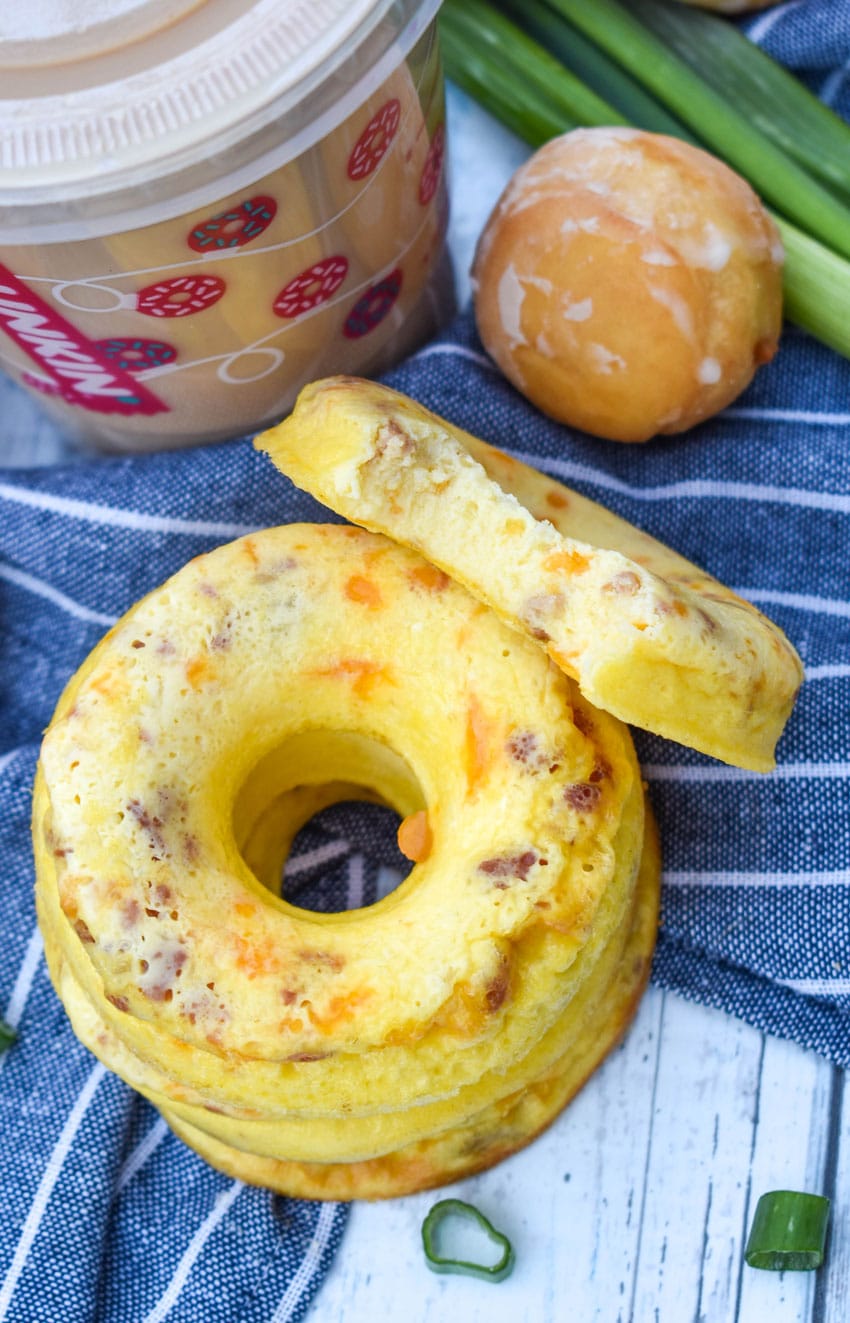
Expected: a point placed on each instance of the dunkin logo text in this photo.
(80, 370)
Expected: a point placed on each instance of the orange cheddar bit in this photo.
(556, 499)
(250, 550)
(366, 681)
(375, 556)
(341, 1009)
(565, 661)
(360, 589)
(363, 673)
(415, 838)
(572, 561)
(198, 671)
(103, 684)
(256, 958)
(477, 746)
(465, 1014)
(244, 909)
(429, 578)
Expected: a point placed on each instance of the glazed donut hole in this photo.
(627, 283)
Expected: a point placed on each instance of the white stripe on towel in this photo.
(23, 985)
(114, 518)
(41, 589)
(6, 759)
(762, 26)
(826, 606)
(832, 85)
(829, 671)
(813, 416)
(51, 1175)
(321, 855)
(141, 1153)
(711, 878)
(838, 771)
(696, 488)
(307, 1267)
(24, 981)
(190, 1254)
(354, 899)
(457, 351)
(818, 987)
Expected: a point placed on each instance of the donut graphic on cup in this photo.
(235, 226)
(311, 287)
(375, 139)
(180, 296)
(371, 309)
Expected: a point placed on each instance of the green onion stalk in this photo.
(789, 188)
(767, 95)
(610, 82)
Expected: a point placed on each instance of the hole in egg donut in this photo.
(311, 810)
(346, 857)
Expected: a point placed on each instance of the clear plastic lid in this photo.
(117, 109)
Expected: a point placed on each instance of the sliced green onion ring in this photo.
(7, 1035)
(438, 1261)
(788, 1231)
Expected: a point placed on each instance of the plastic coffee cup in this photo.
(206, 203)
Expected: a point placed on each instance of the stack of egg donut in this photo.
(371, 1052)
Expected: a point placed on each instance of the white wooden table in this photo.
(634, 1206)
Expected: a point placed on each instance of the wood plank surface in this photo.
(634, 1206)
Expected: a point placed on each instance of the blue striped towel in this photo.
(103, 1214)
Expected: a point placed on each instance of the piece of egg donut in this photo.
(647, 635)
(628, 283)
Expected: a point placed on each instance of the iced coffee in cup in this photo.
(206, 203)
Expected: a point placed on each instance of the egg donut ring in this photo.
(647, 635)
(369, 1052)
